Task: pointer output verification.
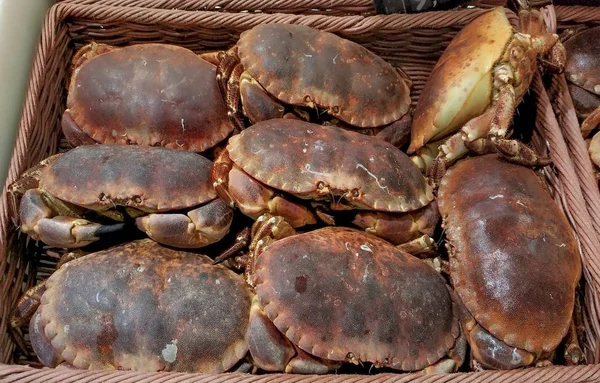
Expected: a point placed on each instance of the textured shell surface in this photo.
(514, 259)
(141, 306)
(149, 94)
(296, 157)
(151, 179)
(372, 300)
(299, 65)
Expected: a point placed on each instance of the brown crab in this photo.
(138, 306)
(300, 170)
(513, 261)
(373, 303)
(145, 94)
(278, 68)
(582, 70)
(470, 97)
(65, 200)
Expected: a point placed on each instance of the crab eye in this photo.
(336, 109)
(350, 356)
(307, 99)
(137, 199)
(102, 196)
(320, 185)
(355, 193)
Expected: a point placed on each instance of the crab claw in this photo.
(38, 222)
(200, 227)
(517, 152)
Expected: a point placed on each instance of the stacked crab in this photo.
(300, 140)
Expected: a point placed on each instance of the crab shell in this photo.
(150, 179)
(513, 257)
(316, 162)
(460, 85)
(148, 94)
(372, 303)
(143, 307)
(583, 61)
(304, 66)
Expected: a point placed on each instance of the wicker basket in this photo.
(414, 42)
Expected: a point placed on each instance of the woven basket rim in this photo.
(351, 25)
(586, 373)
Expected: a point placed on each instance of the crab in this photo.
(145, 94)
(514, 262)
(276, 69)
(583, 73)
(72, 199)
(308, 173)
(138, 306)
(470, 97)
(373, 303)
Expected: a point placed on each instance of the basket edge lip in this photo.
(526, 374)
(301, 17)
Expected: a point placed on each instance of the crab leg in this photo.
(590, 123)
(26, 307)
(40, 223)
(213, 57)
(410, 231)
(424, 245)
(200, 227)
(241, 241)
(252, 198)
(272, 351)
(228, 61)
(73, 133)
(232, 98)
(257, 104)
(573, 353)
(503, 110)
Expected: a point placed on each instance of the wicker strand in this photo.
(24, 374)
(577, 14)
(579, 152)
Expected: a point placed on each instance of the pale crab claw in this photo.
(493, 64)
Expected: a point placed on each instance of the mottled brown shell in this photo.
(372, 301)
(300, 65)
(296, 156)
(151, 179)
(514, 260)
(149, 94)
(583, 60)
(145, 307)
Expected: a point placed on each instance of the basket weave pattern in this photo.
(306, 7)
(562, 18)
(413, 42)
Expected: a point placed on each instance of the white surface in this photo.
(20, 26)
